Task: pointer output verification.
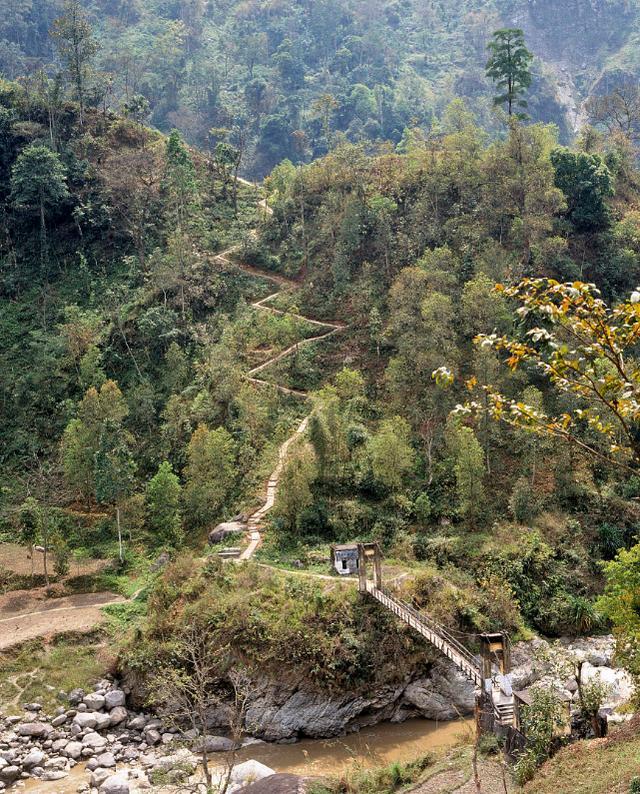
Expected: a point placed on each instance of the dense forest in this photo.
(134, 267)
(289, 80)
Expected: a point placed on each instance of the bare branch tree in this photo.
(199, 681)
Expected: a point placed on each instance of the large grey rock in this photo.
(10, 773)
(34, 758)
(54, 774)
(56, 722)
(152, 736)
(106, 760)
(250, 772)
(442, 696)
(117, 715)
(99, 775)
(33, 729)
(619, 683)
(94, 741)
(223, 531)
(75, 696)
(113, 698)
(216, 744)
(103, 721)
(85, 719)
(73, 750)
(116, 784)
(94, 701)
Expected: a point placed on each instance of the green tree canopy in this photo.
(209, 474)
(163, 496)
(586, 183)
(509, 66)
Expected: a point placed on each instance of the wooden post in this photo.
(362, 569)
(377, 567)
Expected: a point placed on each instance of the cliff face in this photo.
(580, 44)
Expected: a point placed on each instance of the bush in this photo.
(523, 503)
(422, 508)
(611, 538)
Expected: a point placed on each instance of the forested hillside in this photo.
(286, 80)
(420, 330)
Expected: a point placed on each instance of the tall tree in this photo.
(509, 66)
(163, 506)
(76, 45)
(209, 474)
(114, 471)
(39, 183)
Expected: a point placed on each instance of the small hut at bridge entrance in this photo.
(345, 558)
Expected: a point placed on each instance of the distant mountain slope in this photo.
(288, 77)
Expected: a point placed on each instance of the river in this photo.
(375, 746)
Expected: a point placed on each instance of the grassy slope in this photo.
(599, 766)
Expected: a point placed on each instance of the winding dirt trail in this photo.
(255, 522)
(24, 617)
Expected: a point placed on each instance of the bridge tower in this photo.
(369, 553)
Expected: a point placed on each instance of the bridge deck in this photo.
(437, 635)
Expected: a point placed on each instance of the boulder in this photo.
(54, 774)
(444, 695)
(85, 719)
(73, 750)
(282, 783)
(137, 723)
(152, 736)
(103, 721)
(116, 784)
(98, 776)
(34, 729)
(34, 758)
(10, 773)
(93, 741)
(59, 720)
(75, 696)
(94, 701)
(220, 533)
(113, 698)
(618, 681)
(250, 772)
(117, 715)
(106, 760)
(216, 744)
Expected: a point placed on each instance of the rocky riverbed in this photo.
(125, 750)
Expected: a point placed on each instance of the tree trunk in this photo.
(120, 554)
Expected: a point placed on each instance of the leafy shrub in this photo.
(611, 538)
(523, 503)
(422, 508)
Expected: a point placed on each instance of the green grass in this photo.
(601, 766)
(41, 671)
(383, 780)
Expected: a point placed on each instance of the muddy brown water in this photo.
(375, 746)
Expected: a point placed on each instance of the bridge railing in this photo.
(433, 626)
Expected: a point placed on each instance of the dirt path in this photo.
(256, 519)
(38, 619)
(461, 780)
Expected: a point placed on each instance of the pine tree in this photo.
(509, 67)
